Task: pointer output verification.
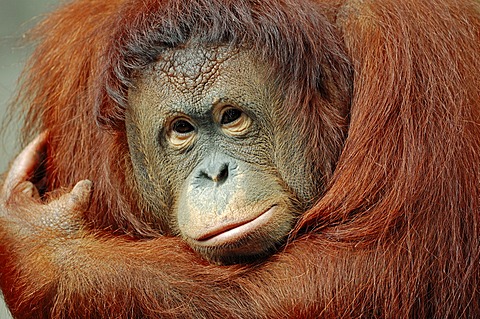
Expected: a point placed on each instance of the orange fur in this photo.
(395, 233)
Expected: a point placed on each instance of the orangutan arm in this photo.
(53, 267)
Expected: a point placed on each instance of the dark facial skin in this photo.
(203, 140)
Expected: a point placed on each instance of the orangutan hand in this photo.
(23, 211)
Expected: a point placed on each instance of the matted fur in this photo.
(386, 98)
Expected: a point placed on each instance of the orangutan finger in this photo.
(29, 189)
(79, 197)
(24, 166)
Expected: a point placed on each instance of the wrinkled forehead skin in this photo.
(198, 77)
(193, 67)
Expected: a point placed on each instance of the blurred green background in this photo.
(16, 17)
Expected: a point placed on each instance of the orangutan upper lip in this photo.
(234, 231)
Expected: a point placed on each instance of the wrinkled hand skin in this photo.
(23, 211)
(32, 230)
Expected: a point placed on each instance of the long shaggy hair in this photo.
(385, 96)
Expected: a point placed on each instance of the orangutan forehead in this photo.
(199, 77)
(193, 66)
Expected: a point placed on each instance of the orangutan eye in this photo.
(182, 127)
(234, 121)
(181, 132)
(230, 116)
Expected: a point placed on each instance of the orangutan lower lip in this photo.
(234, 232)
